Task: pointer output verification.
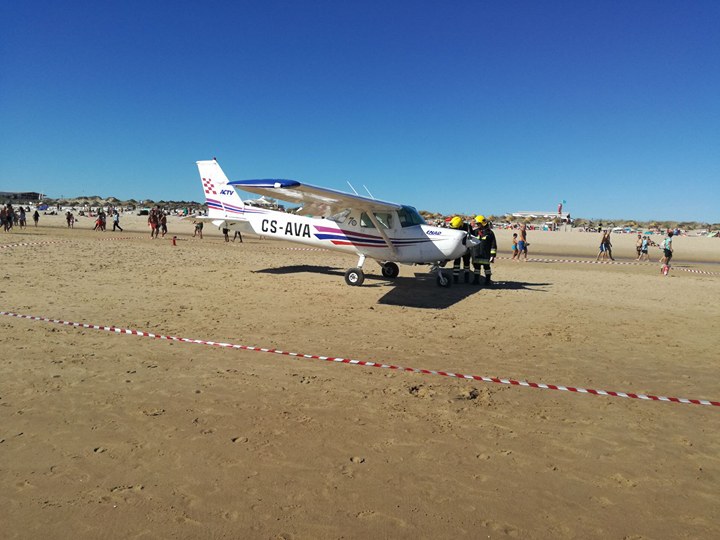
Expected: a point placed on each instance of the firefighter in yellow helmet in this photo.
(485, 251)
(458, 223)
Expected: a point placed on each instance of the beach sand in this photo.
(120, 436)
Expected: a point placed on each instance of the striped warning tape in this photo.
(626, 263)
(568, 261)
(21, 244)
(497, 380)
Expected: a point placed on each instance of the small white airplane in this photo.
(387, 232)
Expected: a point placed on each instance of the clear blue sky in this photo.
(463, 106)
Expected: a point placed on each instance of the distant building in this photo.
(563, 216)
(20, 197)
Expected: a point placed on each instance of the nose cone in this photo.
(454, 246)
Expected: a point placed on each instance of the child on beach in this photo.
(515, 256)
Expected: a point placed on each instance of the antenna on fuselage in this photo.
(351, 187)
(368, 191)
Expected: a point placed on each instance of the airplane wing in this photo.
(316, 201)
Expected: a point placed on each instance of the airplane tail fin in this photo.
(222, 199)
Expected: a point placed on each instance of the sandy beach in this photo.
(121, 436)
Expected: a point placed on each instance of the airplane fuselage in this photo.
(354, 232)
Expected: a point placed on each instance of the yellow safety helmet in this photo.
(480, 219)
(456, 222)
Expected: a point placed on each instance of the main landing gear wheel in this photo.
(443, 280)
(355, 277)
(390, 270)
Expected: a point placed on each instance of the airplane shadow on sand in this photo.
(405, 291)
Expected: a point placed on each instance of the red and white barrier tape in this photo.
(22, 244)
(626, 263)
(497, 380)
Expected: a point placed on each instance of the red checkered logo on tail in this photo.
(209, 186)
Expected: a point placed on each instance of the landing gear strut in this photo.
(443, 279)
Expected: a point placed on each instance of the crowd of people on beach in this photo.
(10, 217)
(157, 221)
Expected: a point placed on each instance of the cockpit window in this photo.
(383, 218)
(409, 216)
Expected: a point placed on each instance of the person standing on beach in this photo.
(153, 222)
(667, 251)
(638, 246)
(484, 253)
(36, 217)
(226, 234)
(459, 224)
(516, 254)
(163, 223)
(6, 217)
(608, 245)
(237, 235)
(522, 243)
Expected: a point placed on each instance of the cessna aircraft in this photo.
(387, 232)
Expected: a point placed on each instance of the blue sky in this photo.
(464, 106)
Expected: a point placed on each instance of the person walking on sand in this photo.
(515, 256)
(601, 253)
(36, 217)
(237, 235)
(638, 246)
(226, 234)
(116, 221)
(198, 229)
(644, 249)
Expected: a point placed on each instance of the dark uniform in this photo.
(465, 258)
(484, 253)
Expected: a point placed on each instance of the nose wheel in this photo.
(443, 279)
(354, 277)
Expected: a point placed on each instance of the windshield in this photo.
(408, 217)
